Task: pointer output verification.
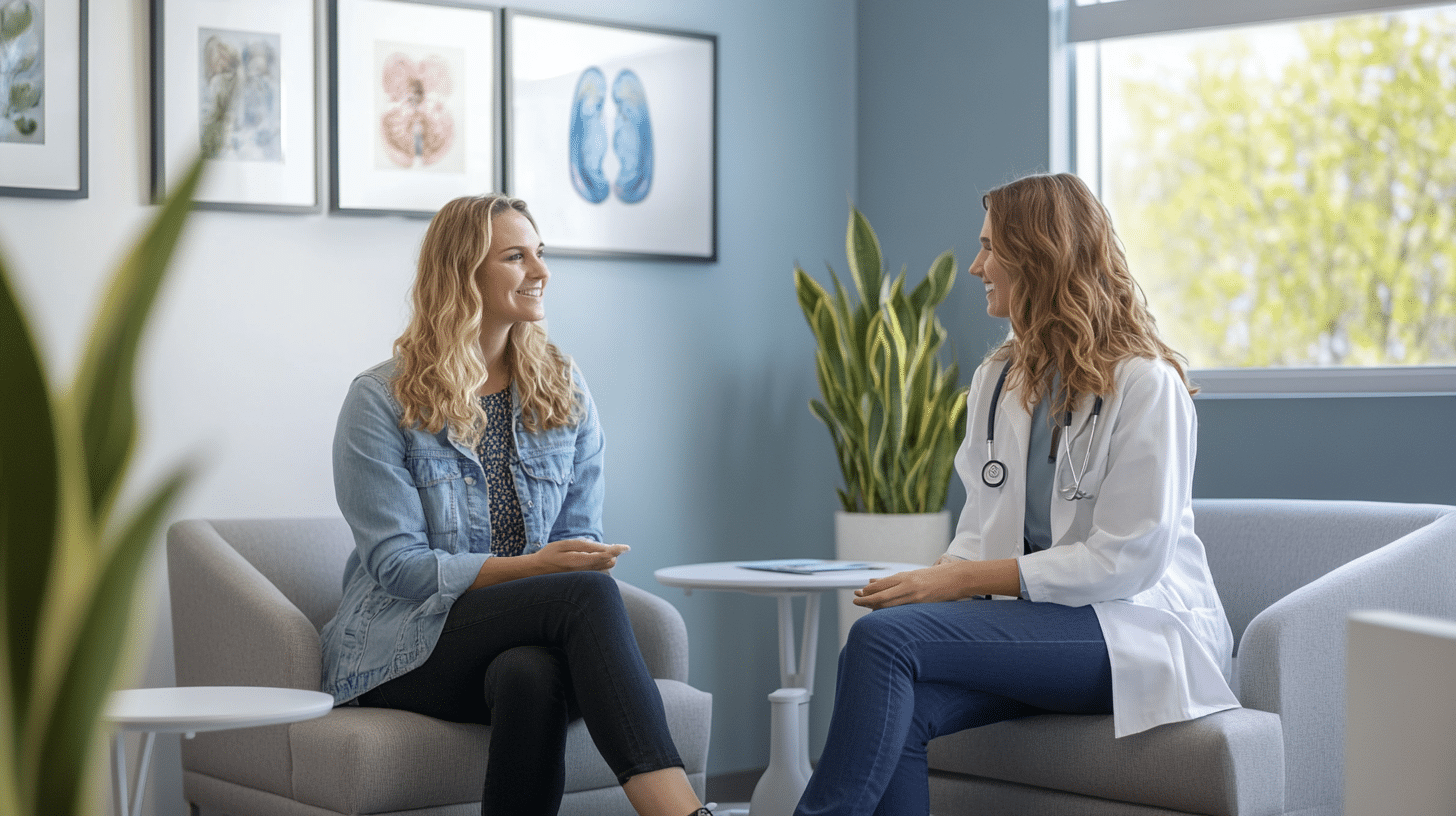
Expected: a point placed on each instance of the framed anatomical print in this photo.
(611, 136)
(415, 103)
(43, 96)
(238, 83)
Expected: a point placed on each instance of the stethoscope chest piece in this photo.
(994, 473)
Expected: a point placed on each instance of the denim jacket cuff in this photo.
(457, 573)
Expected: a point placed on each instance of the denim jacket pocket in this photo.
(437, 477)
(548, 475)
(550, 466)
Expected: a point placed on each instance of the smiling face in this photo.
(989, 269)
(513, 277)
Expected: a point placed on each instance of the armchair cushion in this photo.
(374, 760)
(1228, 762)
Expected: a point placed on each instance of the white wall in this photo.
(701, 371)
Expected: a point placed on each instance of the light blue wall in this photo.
(954, 100)
(1372, 448)
(702, 373)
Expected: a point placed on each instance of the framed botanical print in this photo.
(43, 89)
(237, 82)
(415, 97)
(612, 136)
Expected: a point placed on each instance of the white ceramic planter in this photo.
(915, 538)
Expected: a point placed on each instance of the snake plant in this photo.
(70, 558)
(896, 413)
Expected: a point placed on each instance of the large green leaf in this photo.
(865, 261)
(28, 491)
(104, 385)
(92, 665)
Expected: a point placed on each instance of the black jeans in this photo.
(526, 657)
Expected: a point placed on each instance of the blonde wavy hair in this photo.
(1075, 309)
(440, 368)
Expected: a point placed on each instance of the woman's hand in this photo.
(578, 555)
(948, 580)
(567, 555)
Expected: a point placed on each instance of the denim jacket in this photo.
(417, 505)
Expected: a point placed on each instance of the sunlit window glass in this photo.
(1286, 193)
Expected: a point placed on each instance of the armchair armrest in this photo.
(662, 636)
(230, 625)
(1292, 657)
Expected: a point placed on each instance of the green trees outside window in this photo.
(1287, 194)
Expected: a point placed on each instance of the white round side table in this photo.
(190, 709)
(793, 674)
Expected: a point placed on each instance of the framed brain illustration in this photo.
(611, 136)
(415, 101)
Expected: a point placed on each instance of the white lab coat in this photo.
(1129, 551)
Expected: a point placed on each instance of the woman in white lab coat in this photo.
(1078, 467)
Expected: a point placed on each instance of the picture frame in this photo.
(415, 100)
(263, 155)
(611, 136)
(43, 70)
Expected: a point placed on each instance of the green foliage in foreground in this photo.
(896, 414)
(69, 560)
(1304, 217)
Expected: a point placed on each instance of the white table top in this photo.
(729, 575)
(212, 708)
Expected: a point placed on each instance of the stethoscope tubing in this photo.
(993, 473)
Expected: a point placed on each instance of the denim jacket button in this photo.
(470, 480)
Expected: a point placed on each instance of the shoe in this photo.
(705, 810)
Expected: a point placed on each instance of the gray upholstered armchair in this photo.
(248, 599)
(1289, 572)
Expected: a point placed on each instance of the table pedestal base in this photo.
(783, 782)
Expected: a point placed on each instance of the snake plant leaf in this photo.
(104, 385)
(932, 291)
(75, 718)
(29, 485)
(810, 293)
(865, 261)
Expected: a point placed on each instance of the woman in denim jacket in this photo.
(470, 470)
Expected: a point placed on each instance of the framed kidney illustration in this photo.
(611, 136)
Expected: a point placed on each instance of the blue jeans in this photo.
(526, 657)
(911, 673)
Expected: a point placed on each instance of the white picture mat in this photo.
(291, 182)
(547, 58)
(56, 164)
(361, 23)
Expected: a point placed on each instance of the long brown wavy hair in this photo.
(1075, 309)
(440, 368)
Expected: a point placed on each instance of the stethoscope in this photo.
(994, 472)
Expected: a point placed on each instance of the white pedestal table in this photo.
(190, 709)
(795, 671)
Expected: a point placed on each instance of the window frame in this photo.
(1072, 24)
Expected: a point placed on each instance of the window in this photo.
(1283, 179)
